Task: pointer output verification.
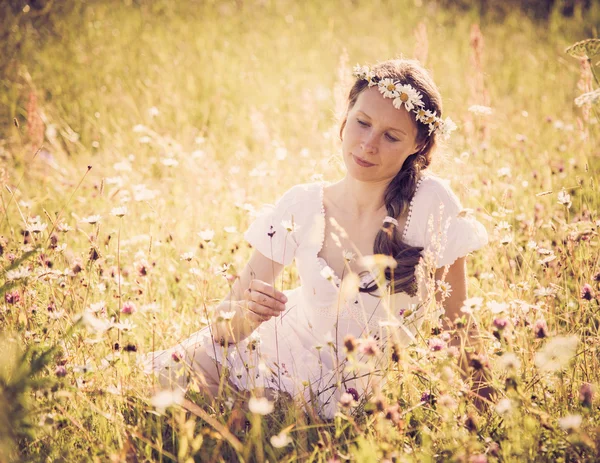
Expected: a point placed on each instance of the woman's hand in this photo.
(263, 301)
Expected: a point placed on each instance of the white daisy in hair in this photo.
(388, 88)
(446, 127)
(407, 96)
(425, 116)
(360, 72)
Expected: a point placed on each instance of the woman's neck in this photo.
(360, 198)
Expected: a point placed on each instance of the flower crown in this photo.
(410, 97)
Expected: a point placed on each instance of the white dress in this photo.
(301, 352)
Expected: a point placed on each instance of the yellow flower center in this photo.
(404, 97)
(391, 87)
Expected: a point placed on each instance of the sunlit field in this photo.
(140, 139)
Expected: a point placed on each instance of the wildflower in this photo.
(586, 395)
(17, 274)
(176, 356)
(379, 402)
(504, 172)
(119, 211)
(509, 362)
(504, 406)
(540, 329)
(260, 406)
(427, 397)
(60, 371)
(444, 288)
(206, 235)
(570, 423)
(92, 219)
(436, 344)
(410, 98)
(544, 292)
(447, 401)
(556, 353)
(587, 292)
(479, 362)
(500, 323)
(347, 400)
(497, 307)
(328, 273)
(348, 256)
(280, 440)
(597, 277)
(564, 198)
(472, 304)
(480, 110)
(378, 261)
(225, 316)
(165, 399)
(289, 225)
(12, 297)
(170, 162)
(350, 343)
(188, 256)
(35, 225)
(392, 413)
(388, 88)
(128, 308)
(368, 347)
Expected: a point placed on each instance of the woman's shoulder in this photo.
(434, 190)
(301, 193)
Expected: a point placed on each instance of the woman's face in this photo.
(377, 137)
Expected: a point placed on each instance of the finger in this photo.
(267, 301)
(262, 310)
(269, 290)
(256, 318)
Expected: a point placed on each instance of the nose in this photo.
(369, 143)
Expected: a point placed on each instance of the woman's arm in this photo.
(254, 299)
(457, 278)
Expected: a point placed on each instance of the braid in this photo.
(397, 198)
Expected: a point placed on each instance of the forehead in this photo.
(382, 111)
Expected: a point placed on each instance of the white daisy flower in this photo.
(444, 288)
(289, 225)
(388, 88)
(119, 211)
(165, 399)
(328, 273)
(361, 72)
(480, 110)
(92, 219)
(280, 440)
(556, 353)
(570, 423)
(206, 235)
(564, 198)
(408, 96)
(446, 127)
(425, 116)
(504, 407)
(349, 256)
(260, 406)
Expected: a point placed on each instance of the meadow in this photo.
(140, 140)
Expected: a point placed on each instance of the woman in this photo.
(334, 334)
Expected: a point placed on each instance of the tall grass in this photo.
(192, 116)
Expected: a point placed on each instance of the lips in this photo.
(362, 162)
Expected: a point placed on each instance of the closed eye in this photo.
(387, 135)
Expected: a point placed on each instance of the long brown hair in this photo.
(401, 189)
